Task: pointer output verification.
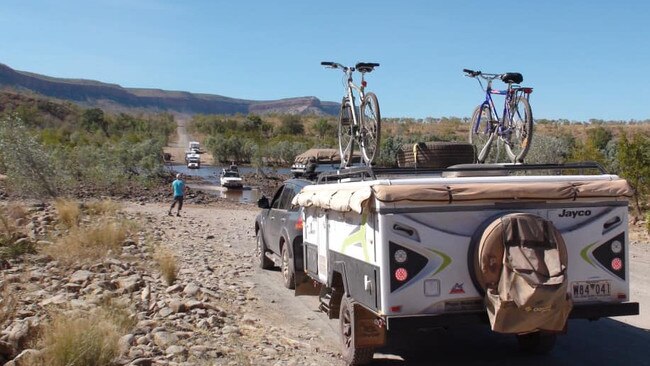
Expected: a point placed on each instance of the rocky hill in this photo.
(112, 97)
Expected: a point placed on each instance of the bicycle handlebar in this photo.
(361, 66)
(473, 74)
(333, 65)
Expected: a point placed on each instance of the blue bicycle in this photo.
(515, 128)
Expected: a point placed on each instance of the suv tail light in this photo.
(299, 223)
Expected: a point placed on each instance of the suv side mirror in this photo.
(263, 202)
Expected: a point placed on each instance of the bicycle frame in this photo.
(350, 94)
(511, 94)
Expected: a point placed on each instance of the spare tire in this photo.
(521, 265)
(488, 251)
(435, 154)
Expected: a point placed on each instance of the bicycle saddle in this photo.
(365, 66)
(512, 78)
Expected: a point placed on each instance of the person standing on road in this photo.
(178, 186)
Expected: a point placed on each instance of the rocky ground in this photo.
(214, 314)
(222, 310)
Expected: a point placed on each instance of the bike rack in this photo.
(363, 173)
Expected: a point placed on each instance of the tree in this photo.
(292, 125)
(599, 137)
(252, 123)
(93, 119)
(27, 165)
(323, 128)
(633, 159)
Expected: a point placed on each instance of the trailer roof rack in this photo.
(362, 173)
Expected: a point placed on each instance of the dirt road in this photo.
(180, 143)
(224, 236)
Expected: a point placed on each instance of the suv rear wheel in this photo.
(287, 270)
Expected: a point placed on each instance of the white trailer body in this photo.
(403, 251)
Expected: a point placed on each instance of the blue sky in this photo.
(585, 59)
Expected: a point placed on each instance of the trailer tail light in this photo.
(404, 265)
(400, 256)
(611, 255)
(299, 223)
(401, 274)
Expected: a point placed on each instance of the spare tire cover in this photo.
(488, 258)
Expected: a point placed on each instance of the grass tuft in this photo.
(69, 212)
(168, 266)
(118, 314)
(8, 305)
(80, 339)
(103, 207)
(17, 211)
(13, 243)
(91, 243)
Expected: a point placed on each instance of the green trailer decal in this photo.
(584, 253)
(446, 260)
(358, 237)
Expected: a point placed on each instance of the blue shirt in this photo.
(179, 187)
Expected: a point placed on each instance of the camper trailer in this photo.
(509, 246)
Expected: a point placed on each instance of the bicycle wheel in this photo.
(481, 136)
(346, 133)
(370, 127)
(520, 123)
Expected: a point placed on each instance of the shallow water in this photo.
(210, 175)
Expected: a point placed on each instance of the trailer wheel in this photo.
(351, 354)
(537, 343)
(263, 261)
(288, 276)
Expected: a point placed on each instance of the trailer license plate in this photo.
(591, 289)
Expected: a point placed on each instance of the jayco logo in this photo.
(574, 213)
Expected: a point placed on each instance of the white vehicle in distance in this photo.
(230, 178)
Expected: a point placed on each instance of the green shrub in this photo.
(27, 164)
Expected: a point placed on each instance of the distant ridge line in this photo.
(113, 97)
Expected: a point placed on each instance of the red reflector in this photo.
(528, 90)
(363, 83)
(395, 309)
(622, 296)
(617, 264)
(299, 224)
(401, 274)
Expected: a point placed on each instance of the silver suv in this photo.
(278, 229)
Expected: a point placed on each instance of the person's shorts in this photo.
(179, 199)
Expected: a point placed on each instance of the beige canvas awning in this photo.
(338, 198)
(331, 197)
(318, 155)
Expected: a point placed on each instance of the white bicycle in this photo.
(362, 125)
